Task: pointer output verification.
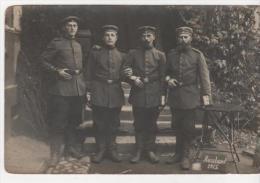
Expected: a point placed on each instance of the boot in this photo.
(152, 157)
(185, 162)
(75, 152)
(101, 150)
(177, 157)
(74, 142)
(150, 138)
(139, 148)
(137, 157)
(57, 149)
(54, 159)
(99, 156)
(114, 156)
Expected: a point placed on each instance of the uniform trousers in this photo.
(145, 124)
(106, 122)
(184, 120)
(64, 116)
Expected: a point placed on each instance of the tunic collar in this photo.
(68, 37)
(147, 48)
(183, 50)
(110, 47)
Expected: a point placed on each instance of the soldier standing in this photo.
(146, 95)
(105, 93)
(63, 61)
(188, 80)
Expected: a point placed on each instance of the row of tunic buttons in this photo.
(146, 63)
(111, 63)
(180, 67)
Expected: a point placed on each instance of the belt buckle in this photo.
(146, 79)
(77, 71)
(109, 81)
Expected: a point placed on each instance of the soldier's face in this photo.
(110, 38)
(71, 28)
(184, 39)
(147, 38)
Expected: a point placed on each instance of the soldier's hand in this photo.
(138, 82)
(205, 100)
(172, 83)
(88, 97)
(64, 74)
(128, 72)
(163, 101)
(96, 47)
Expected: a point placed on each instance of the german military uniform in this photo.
(65, 101)
(189, 68)
(107, 97)
(147, 64)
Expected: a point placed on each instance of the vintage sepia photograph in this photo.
(132, 89)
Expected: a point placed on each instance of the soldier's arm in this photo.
(123, 77)
(169, 80)
(162, 68)
(127, 65)
(90, 69)
(167, 67)
(204, 76)
(48, 56)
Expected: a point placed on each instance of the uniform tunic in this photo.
(104, 78)
(189, 68)
(147, 63)
(61, 53)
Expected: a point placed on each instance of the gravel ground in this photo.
(71, 166)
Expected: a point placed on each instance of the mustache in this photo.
(146, 42)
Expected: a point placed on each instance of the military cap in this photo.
(184, 30)
(69, 18)
(110, 28)
(146, 28)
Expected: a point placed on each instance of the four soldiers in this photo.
(185, 74)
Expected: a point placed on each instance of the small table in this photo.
(222, 112)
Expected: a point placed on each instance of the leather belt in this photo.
(109, 81)
(73, 72)
(149, 79)
(181, 84)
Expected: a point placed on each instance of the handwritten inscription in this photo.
(213, 161)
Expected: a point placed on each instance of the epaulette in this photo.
(198, 51)
(159, 51)
(57, 39)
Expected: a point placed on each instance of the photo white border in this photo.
(6, 177)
